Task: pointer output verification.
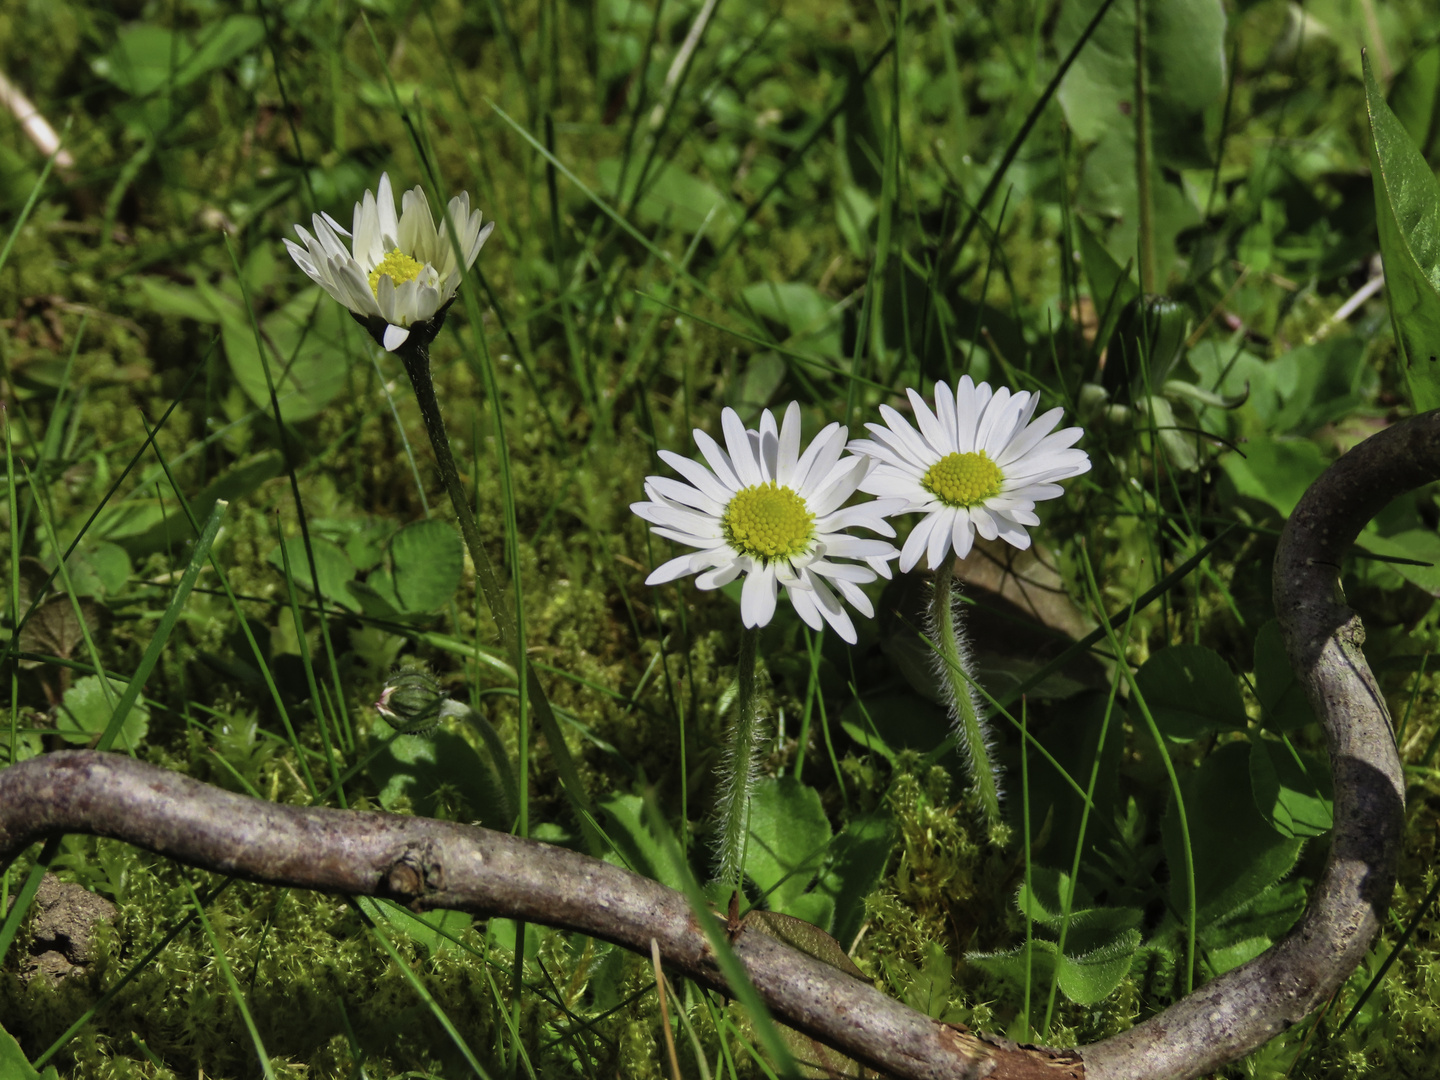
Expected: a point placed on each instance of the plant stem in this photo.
(416, 357)
(949, 639)
(734, 809)
(1143, 194)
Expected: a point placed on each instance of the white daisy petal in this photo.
(388, 223)
(757, 598)
(930, 429)
(670, 571)
(945, 412)
(1012, 533)
(405, 249)
(771, 512)
(854, 597)
(977, 444)
(788, 452)
(742, 451)
(718, 460)
(834, 613)
(918, 541)
(803, 601)
(939, 545)
(719, 576)
(962, 535)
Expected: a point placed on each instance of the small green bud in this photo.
(412, 702)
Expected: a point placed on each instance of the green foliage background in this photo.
(701, 205)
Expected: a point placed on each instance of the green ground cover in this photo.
(700, 206)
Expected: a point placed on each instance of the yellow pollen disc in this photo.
(963, 479)
(768, 522)
(398, 267)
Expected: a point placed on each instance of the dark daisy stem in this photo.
(738, 776)
(954, 663)
(416, 358)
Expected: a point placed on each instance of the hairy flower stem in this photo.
(954, 663)
(739, 769)
(415, 354)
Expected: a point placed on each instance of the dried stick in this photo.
(434, 864)
(1244, 1008)
(438, 864)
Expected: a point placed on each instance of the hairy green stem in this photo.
(415, 355)
(739, 775)
(949, 638)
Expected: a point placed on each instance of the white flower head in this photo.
(766, 510)
(979, 463)
(400, 271)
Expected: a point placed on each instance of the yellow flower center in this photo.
(768, 522)
(963, 479)
(398, 267)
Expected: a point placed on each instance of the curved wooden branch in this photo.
(438, 864)
(1244, 1008)
(433, 864)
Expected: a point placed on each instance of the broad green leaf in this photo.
(221, 42)
(164, 297)
(1185, 43)
(1111, 288)
(1045, 898)
(811, 318)
(143, 59)
(1237, 854)
(1185, 72)
(1274, 471)
(752, 391)
(142, 526)
(1232, 956)
(332, 567)
(1089, 978)
(857, 862)
(888, 723)
(803, 935)
(428, 562)
(639, 849)
(1086, 978)
(1407, 211)
(442, 776)
(672, 198)
(1417, 546)
(1292, 790)
(1415, 97)
(427, 928)
(146, 58)
(1316, 384)
(1282, 699)
(85, 712)
(98, 567)
(789, 834)
(14, 1065)
(305, 346)
(1190, 690)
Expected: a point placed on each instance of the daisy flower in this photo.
(979, 463)
(774, 514)
(399, 272)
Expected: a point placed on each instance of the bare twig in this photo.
(439, 864)
(435, 864)
(37, 128)
(1232, 1015)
